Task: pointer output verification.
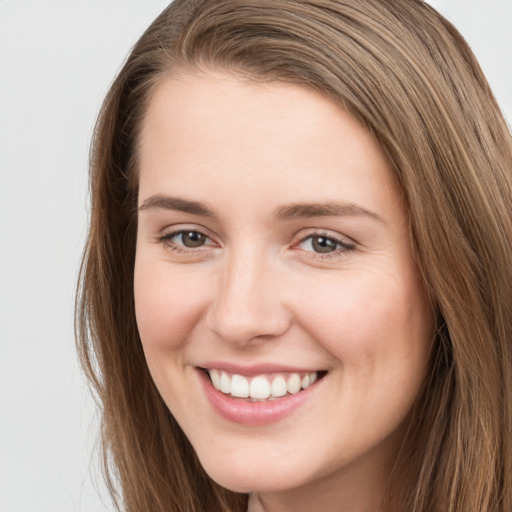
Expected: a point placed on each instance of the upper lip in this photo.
(254, 369)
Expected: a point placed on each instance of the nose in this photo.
(249, 304)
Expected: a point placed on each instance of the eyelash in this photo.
(166, 241)
(342, 247)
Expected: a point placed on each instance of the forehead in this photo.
(215, 103)
(209, 130)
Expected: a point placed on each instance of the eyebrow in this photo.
(176, 203)
(331, 209)
(284, 213)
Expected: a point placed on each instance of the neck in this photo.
(336, 493)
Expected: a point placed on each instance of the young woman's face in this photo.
(274, 262)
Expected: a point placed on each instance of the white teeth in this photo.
(215, 376)
(260, 388)
(294, 383)
(240, 386)
(225, 383)
(278, 387)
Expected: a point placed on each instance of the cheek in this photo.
(167, 309)
(371, 320)
(167, 306)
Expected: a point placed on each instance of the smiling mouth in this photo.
(260, 388)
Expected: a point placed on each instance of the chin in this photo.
(243, 477)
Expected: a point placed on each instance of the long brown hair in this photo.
(408, 75)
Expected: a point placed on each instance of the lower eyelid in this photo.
(166, 239)
(344, 247)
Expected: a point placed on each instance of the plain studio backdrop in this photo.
(57, 59)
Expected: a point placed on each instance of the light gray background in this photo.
(57, 59)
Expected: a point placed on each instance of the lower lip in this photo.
(244, 412)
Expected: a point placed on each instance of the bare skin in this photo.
(271, 231)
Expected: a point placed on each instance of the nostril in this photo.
(245, 310)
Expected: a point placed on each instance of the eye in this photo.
(323, 244)
(185, 239)
(189, 239)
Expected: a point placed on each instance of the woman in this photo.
(296, 292)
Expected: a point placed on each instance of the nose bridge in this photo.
(248, 304)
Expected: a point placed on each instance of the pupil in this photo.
(193, 239)
(323, 245)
